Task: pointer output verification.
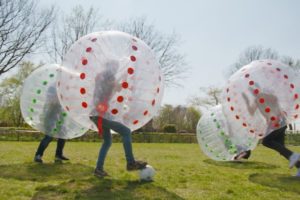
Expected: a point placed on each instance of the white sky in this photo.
(214, 32)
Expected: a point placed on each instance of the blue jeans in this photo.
(107, 140)
(45, 142)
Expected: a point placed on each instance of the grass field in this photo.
(183, 172)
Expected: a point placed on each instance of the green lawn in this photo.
(183, 172)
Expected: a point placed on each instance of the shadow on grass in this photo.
(284, 182)
(241, 164)
(44, 172)
(107, 188)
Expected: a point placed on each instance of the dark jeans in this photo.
(123, 130)
(275, 141)
(45, 142)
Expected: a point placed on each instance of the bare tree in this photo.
(21, 30)
(209, 97)
(69, 28)
(173, 63)
(253, 53)
(294, 63)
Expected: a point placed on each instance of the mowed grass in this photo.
(183, 172)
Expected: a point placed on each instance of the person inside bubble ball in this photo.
(106, 85)
(267, 104)
(52, 113)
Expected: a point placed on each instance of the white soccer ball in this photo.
(147, 173)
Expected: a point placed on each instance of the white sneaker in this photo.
(294, 158)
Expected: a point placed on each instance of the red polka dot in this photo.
(84, 61)
(278, 69)
(84, 104)
(296, 96)
(251, 131)
(273, 118)
(227, 90)
(295, 116)
(153, 102)
(82, 90)
(134, 48)
(130, 70)
(232, 108)
(261, 100)
(251, 82)
(94, 39)
(247, 75)
(135, 121)
(267, 110)
(292, 85)
(256, 91)
(260, 135)
(286, 76)
(58, 83)
(120, 99)
(89, 49)
(124, 85)
(297, 106)
(228, 99)
(146, 112)
(133, 58)
(277, 125)
(237, 117)
(244, 124)
(157, 90)
(114, 111)
(82, 76)
(67, 108)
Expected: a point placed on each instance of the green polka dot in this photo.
(222, 133)
(31, 110)
(45, 82)
(218, 125)
(38, 91)
(33, 100)
(55, 129)
(64, 114)
(215, 120)
(82, 129)
(31, 118)
(212, 114)
(51, 75)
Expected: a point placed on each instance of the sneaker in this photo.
(243, 155)
(100, 173)
(136, 165)
(38, 159)
(60, 158)
(294, 158)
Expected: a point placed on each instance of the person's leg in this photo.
(126, 137)
(107, 141)
(43, 145)
(60, 146)
(275, 141)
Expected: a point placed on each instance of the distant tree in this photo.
(68, 28)
(253, 53)
(208, 97)
(173, 62)
(21, 30)
(10, 92)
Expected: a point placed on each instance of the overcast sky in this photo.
(213, 32)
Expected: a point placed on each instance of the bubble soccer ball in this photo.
(147, 173)
(112, 75)
(216, 139)
(262, 97)
(40, 106)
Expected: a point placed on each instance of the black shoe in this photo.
(100, 173)
(136, 165)
(61, 158)
(38, 159)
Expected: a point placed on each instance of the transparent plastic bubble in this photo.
(113, 75)
(41, 108)
(262, 97)
(216, 138)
